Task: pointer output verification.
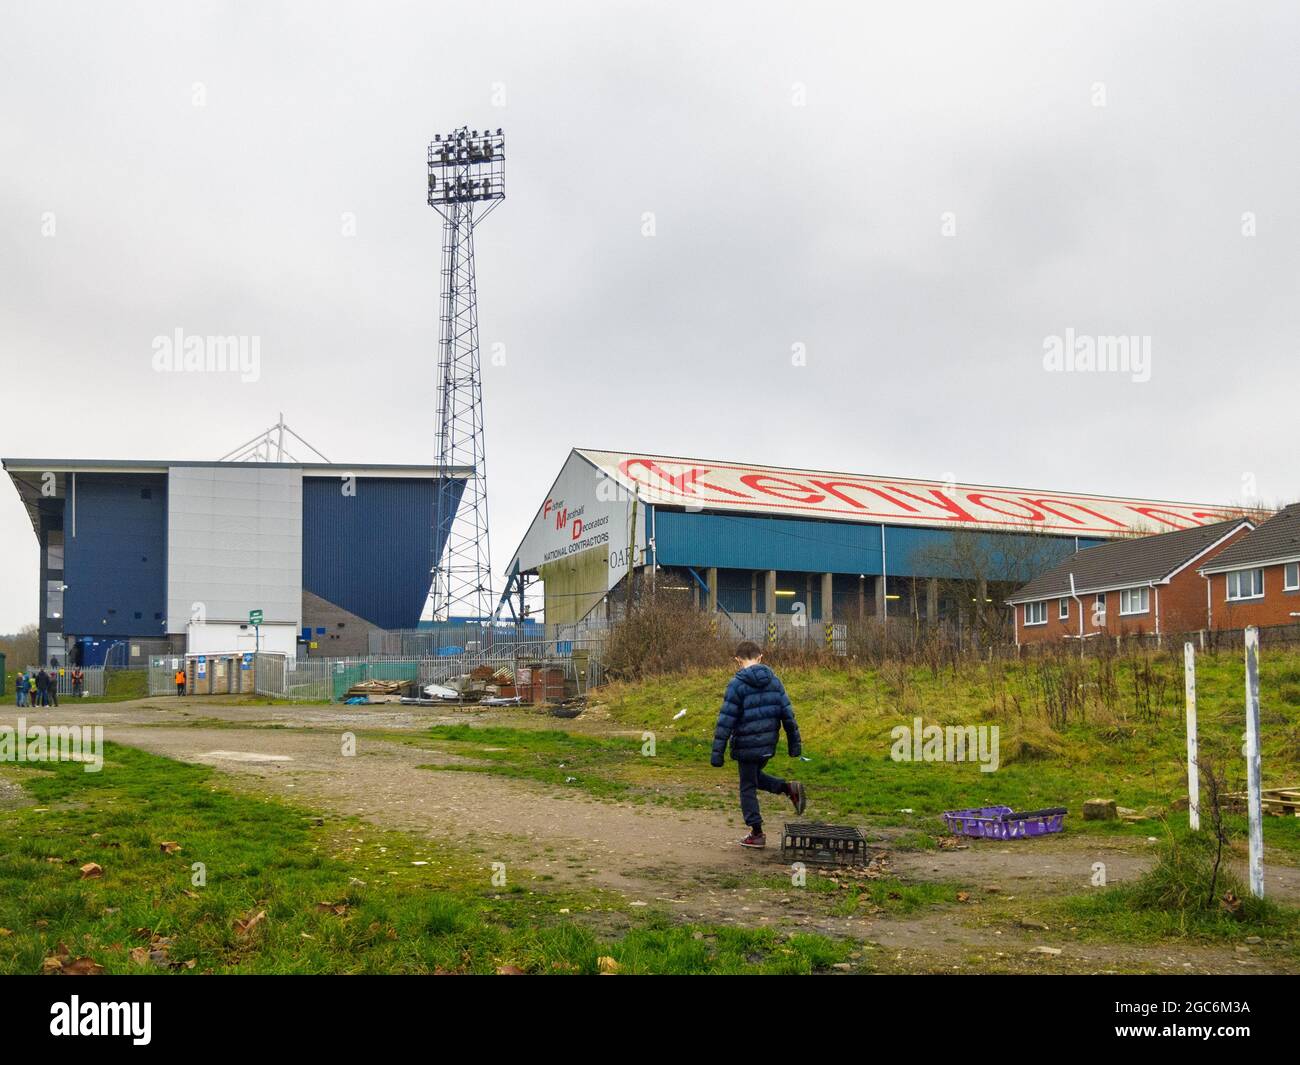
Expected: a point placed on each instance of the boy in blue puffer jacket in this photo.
(755, 708)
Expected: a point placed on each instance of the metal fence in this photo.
(484, 641)
(92, 682)
(785, 629)
(329, 679)
(162, 674)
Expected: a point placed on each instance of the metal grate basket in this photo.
(812, 841)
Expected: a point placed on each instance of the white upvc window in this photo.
(1134, 600)
(1036, 613)
(1063, 609)
(1245, 584)
(1291, 577)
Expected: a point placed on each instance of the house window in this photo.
(1063, 609)
(1099, 609)
(1246, 584)
(1291, 577)
(1036, 613)
(1134, 600)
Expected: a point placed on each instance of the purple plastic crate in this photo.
(1002, 822)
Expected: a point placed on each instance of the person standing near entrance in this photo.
(180, 682)
(20, 686)
(42, 689)
(54, 685)
(77, 679)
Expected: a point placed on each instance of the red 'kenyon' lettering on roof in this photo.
(737, 487)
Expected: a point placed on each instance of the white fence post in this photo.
(1254, 810)
(1193, 771)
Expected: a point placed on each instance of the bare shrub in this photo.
(664, 636)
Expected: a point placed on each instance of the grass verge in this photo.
(285, 891)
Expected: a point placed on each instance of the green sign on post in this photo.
(255, 617)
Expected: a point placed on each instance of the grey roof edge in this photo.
(1276, 541)
(32, 465)
(1254, 563)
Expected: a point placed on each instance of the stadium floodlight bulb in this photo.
(473, 171)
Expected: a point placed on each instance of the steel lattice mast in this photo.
(466, 181)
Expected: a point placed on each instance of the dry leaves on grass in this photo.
(608, 966)
(91, 871)
(245, 925)
(391, 933)
(339, 909)
(169, 847)
(156, 954)
(61, 963)
(510, 970)
(843, 876)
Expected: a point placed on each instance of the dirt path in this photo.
(684, 861)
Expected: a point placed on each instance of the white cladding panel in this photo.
(229, 637)
(234, 544)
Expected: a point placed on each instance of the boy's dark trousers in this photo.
(752, 777)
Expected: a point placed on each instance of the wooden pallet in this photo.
(1276, 802)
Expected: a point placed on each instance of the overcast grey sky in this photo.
(1108, 168)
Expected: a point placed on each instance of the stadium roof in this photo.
(773, 490)
(1127, 563)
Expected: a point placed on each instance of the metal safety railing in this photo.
(329, 679)
(65, 683)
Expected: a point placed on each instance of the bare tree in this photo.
(978, 569)
(21, 648)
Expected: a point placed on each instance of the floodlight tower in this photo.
(466, 181)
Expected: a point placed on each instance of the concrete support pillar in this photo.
(981, 595)
(881, 602)
(769, 589)
(711, 577)
(932, 600)
(828, 597)
(862, 597)
(753, 593)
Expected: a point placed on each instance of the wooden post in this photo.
(1193, 770)
(1254, 811)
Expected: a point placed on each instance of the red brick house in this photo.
(1145, 585)
(1256, 581)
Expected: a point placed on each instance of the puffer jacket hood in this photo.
(758, 677)
(755, 708)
